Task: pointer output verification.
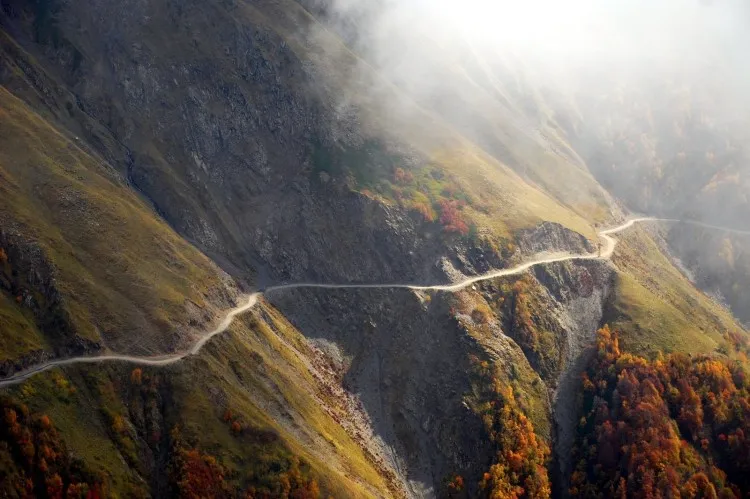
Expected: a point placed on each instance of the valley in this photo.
(336, 248)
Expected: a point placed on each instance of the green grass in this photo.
(656, 308)
(650, 324)
(277, 375)
(120, 269)
(368, 163)
(18, 331)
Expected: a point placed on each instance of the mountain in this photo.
(160, 161)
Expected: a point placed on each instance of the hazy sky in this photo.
(572, 30)
(700, 41)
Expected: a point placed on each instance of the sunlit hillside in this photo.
(342, 248)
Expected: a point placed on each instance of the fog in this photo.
(599, 70)
(576, 32)
(579, 44)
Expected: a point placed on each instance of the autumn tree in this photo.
(657, 428)
(519, 468)
(136, 376)
(35, 461)
(200, 475)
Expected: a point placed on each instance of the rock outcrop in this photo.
(406, 356)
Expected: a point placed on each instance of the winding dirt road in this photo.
(606, 252)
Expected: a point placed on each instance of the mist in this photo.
(411, 42)
(595, 73)
(635, 34)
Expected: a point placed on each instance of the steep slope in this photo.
(86, 265)
(481, 92)
(259, 135)
(415, 361)
(250, 403)
(285, 154)
(717, 261)
(657, 309)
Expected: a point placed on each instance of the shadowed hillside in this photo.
(159, 158)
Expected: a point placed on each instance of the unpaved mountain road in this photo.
(162, 360)
(159, 360)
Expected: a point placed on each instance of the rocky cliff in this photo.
(406, 356)
(154, 154)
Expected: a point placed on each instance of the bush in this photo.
(451, 217)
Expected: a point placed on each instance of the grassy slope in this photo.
(20, 333)
(657, 308)
(256, 370)
(529, 141)
(119, 268)
(474, 123)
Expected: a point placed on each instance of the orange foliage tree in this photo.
(136, 376)
(519, 469)
(661, 428)
(35, 460)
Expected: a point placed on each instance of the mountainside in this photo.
(79, 250)
(218, 143)
(160, 161)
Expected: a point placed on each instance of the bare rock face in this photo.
(578, 295)
(407, 359)
(408, 363)
(552, 237)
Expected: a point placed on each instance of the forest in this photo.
(674, 426)
(34, 461)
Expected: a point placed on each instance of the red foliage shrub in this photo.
(200, 475)
(451, 217)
